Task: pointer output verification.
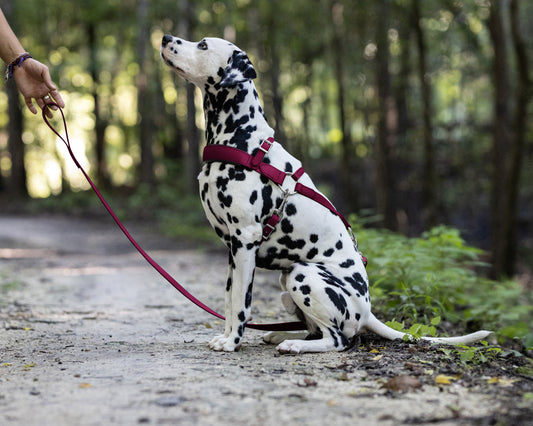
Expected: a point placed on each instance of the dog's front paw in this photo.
(224, 343)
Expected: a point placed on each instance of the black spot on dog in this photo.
(300, 278)
(236, 244)
(248, 298)
(222, 183)
(219, 232)
(238, 175)
(290, 210)
(225, 200)
(305, 289)
(253, 197)
(333, 281)
(307, 302)
(357, 316)
(313, 238)
(204, 191)
(329, 252)
(358, 283)
(347, 263)
(338, 246)
(242, 316)
(312, 253)
(268, 204)
(288, 167)
(286, 226)
(290, 243)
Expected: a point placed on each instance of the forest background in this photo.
(408, 113)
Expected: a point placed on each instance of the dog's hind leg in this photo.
(276, 337)
(329, 305)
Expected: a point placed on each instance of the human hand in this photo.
(34, 82)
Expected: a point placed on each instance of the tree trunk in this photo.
(501, 139)
(102, 176)
(144, 100)
(17, 183)
(338, 52)
(191, 155)
(428, 176)
(386, 125)
(505, 263)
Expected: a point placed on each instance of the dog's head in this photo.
(209, 61)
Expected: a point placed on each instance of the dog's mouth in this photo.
(171, 63)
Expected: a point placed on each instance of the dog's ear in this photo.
(239, 70)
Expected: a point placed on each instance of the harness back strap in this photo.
(255, 162)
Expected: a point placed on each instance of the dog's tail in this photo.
(385, 331)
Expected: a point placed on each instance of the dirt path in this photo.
(91, 335)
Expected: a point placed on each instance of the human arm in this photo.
(32, 77)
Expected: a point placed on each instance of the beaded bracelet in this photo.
(16, 63)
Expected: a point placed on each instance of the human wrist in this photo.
(16, 63)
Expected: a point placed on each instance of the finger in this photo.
(57, 98)
(48, 112)
(40, 102)
(30, 105)
(44, 105)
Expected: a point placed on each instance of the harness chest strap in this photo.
(255, 162)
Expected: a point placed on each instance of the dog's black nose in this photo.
(166, 39)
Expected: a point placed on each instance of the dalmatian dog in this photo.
(323, 278)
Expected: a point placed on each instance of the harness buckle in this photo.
(269, 142)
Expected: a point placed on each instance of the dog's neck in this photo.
(234, 117)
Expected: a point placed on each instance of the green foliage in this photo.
(438, 280)
(476, 354)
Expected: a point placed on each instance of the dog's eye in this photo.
(202, 45)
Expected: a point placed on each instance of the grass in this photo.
(438, 283)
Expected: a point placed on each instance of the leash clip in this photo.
(277, 215)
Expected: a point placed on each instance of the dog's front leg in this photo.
(238, 300)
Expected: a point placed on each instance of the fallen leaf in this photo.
(402, 384)
(7, 364)
(443, 379)
(374, 351)
(85, 385)
(377, 357)
(502, 381)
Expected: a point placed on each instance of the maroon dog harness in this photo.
(255, 162)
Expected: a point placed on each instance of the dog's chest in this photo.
(238, 203)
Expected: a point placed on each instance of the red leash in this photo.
(285, 326)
